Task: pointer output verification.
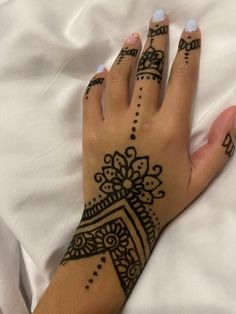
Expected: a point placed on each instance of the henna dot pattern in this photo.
(126, 52)
(94, 201)
(95, 273)
(135, 121)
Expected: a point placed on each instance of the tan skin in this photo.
(162, 134)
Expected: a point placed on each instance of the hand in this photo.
(136, 149)
(138, 173)
(139, 126)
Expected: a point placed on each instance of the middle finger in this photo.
(151, 64)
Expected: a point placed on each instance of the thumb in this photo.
(210, 158)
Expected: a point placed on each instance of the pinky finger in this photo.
(92, 100)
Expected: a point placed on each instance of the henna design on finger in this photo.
(122, 221)
(94, 81)
(229, 145)
(151, 64)
(162, 30)
(135, 121)
(194, 44)
(188, 46)
(126, 52)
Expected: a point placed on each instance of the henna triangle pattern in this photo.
(229, 145)
(122, 223)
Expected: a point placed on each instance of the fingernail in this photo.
(158, 16)
(133, 38)
(100, 68)
(191, 26)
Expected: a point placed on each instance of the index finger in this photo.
(182, 83)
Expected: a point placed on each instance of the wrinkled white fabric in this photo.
(48, 52)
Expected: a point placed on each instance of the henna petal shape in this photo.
(146, 197)
(151, 183)
(106, 187)
(109, 173)
(118, 161)
(140, 165)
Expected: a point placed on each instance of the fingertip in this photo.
(133, 40)
(156, 22)
(159, 16)
(100, 69)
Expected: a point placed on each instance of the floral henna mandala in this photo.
(151, 64)
(121, 222)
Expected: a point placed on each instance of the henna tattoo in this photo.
(94, 81)
(194, 44)
(188, 46)
(95, 273)
(126, 52)
(229, 145)
(128, 187)
(162, 30)
(133, 129)
(151, 64)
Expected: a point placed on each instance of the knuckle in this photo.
(169, 133)
(90, 137)
(181, 71)
(114, 75)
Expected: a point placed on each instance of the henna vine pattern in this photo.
(94, 81)
(151, 64)
(129, 186)
(126, 52)
(229, 145)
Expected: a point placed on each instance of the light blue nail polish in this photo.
(191, 26)
(158, 16)
(100, 68)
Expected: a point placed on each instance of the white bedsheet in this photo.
(48, 52)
